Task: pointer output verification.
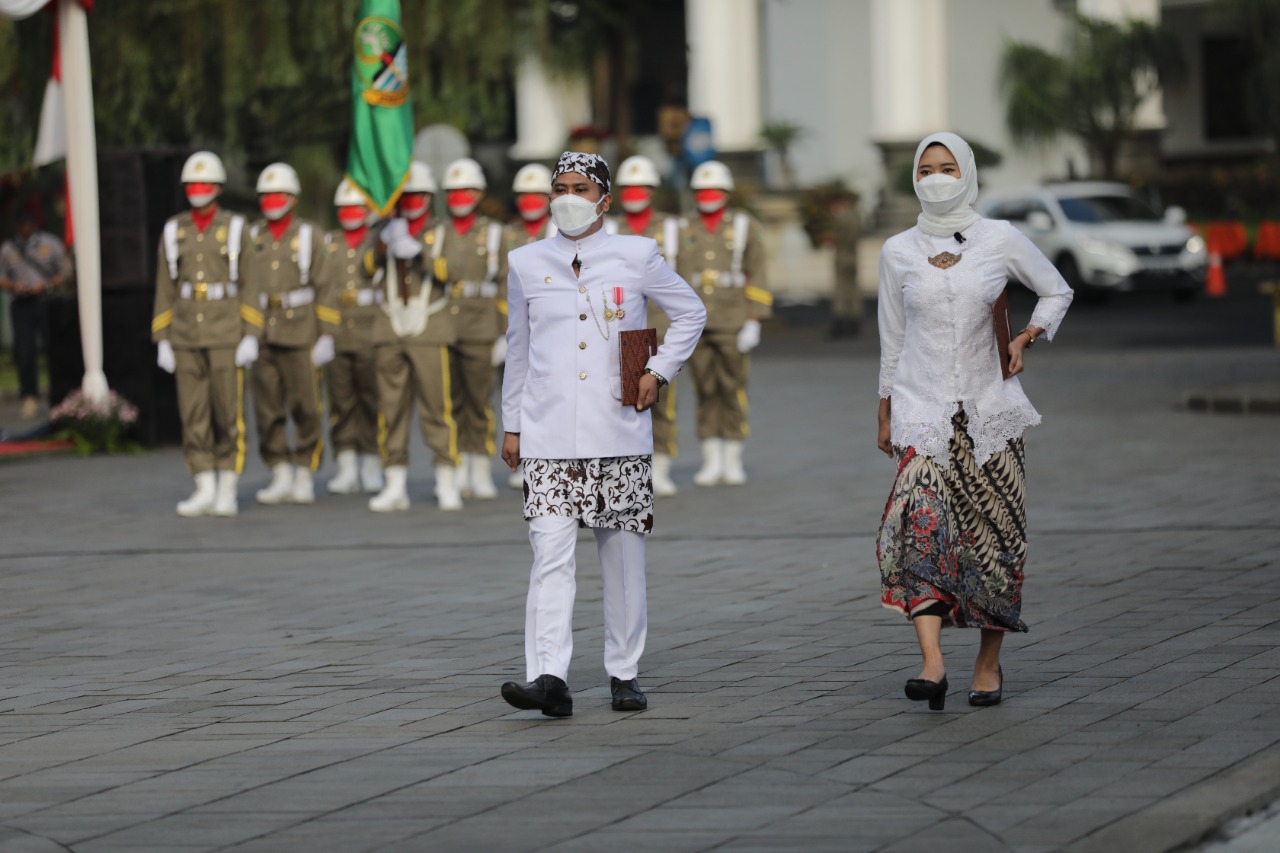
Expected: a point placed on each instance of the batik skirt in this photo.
(614, 492)
(956, 532)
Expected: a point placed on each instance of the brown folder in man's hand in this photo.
(634, 350)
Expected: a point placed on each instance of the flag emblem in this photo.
(381, 62)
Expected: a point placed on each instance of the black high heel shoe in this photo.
(920, 689)
(985, 698)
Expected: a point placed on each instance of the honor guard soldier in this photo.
(284, 252)
(347, 287)
(532, 188)
(637, 180)
(205, 326)
(722, 256)
(468, 257)
(412, 334)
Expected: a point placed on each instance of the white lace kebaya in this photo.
(937, 339)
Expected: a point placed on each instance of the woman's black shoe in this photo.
(983, 698)
(920, 689)
(546, 693)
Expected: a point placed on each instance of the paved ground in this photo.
(326, 679)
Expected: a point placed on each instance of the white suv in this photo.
(1104, 236)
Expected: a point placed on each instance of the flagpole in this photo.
(82, 175)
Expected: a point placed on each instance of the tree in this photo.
(781, 136)
(1093, 90)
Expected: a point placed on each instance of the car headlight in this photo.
(1113, 251)
(1195, 245)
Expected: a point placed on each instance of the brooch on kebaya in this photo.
(946, 260)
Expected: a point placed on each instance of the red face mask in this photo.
(201, 194)
(532, 206)
(351, 216)
(709, 201)
(275, 205)
(414, 205)
(462, 202)
(636, 199)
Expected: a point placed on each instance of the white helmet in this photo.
(638, 171)
(203, 167)
(279, 178)
(348, 195)
(464, 174)
(533, 178)
(420, 179)
(712, 175)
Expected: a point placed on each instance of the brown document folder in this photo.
(634, 349)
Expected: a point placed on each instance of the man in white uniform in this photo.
(587, 459)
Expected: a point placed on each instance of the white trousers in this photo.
(548, 623)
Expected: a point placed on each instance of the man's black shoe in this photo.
(627, 695)
(546, 693)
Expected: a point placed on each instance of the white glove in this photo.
(749, 337)
(394, 230)
(405, 247)
(499, 356)
(247, 352)
(322, 352)
(164, 357)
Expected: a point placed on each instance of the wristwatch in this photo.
(662, 380)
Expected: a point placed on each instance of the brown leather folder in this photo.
(1004, 331)
(634, 349)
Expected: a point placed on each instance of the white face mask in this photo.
(199, 200)
(939, 189)
(711, 206)
(574, 214)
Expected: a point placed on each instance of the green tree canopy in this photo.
(1092, 90)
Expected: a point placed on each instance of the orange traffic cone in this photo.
(1215, 281)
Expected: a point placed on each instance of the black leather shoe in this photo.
(920, 689)
(546, 693)
(627, 695)
(984, 698)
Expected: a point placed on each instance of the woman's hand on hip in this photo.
(1016, 346)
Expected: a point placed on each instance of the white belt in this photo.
(288, 299)
(368, 296)
(473, 289)
(719, 278)
(201, 291)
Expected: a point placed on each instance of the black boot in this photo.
(546, 693)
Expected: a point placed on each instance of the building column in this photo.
(546, 109)
(909, 88)
(724, 70)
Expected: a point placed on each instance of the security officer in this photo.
(352, 377)
(468, 257)
(284, 252)
(206, 325)
(637, 180)
(412, 336)
(532, 188)
(722, 256)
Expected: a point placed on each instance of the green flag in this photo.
(381, 111)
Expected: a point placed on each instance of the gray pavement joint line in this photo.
(1192, 816)
(31, 834)
(504, 543)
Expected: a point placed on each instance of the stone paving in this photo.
(325, 679)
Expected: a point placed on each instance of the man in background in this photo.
(32, 264)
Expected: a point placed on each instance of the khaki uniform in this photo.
(347, 288)
(706, 261)
(415, 365)
(664, 413)
(478, 296)
(204, 311)
(846, 303)
(285, 382)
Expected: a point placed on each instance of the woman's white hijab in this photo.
(946, 210)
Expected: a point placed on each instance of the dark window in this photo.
(1227, 64)
(1107, 208)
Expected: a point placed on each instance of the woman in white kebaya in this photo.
(953, 540)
